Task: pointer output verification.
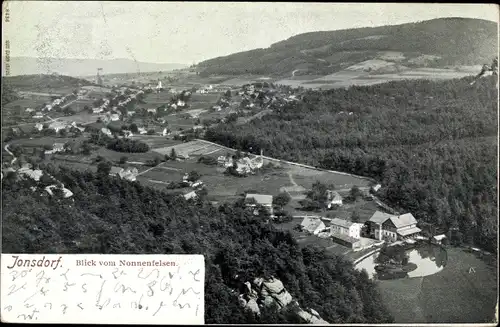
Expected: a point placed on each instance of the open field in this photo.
(452, 295)
(156, 141)
(28, 102)
(348, 78)
(190, 148)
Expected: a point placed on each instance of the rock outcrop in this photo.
(268, 292)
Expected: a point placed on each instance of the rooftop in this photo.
(380, 217)
(409, 231)
(341, 222)
(260, 198)
(311, 223)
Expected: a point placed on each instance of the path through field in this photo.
(12, 154)
(143, 172)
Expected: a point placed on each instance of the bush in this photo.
(211, 161)
(128, 145)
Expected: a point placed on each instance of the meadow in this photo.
(452, 295)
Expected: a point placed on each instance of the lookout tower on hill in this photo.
(98, 77)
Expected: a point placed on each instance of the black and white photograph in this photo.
(326, 163)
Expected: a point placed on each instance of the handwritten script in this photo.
(102, 289)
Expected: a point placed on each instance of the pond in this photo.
(429, 260)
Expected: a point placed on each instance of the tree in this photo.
(282, 199)
(173, 154)
(123, 160)
(103, 168)
(355, 193)
(317, 196)
(86, 148)
(193, 176)
(355, 216)
(134, 128)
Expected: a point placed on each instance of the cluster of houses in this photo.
(264, 96)
(244, 165)
(129, 174)
(27, 172)
(196, 186)
(59, 102)
(380, 227)
(207, 89)
(50, 106)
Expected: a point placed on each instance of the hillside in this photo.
(82, 67)
(113, 216)
(432, 145)
(433, 43)
(26, 82)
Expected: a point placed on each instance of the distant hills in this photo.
(82, 67)
(434, 43)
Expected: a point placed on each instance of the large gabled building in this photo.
(392, 227)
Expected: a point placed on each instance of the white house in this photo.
(142, 130)
(344, 227)
(114, 117)
(29, 110)
(190, 195)
(38, 115)
(106, 131)
(313, 225)
(152, 110)
(57, 126)
(333, 198)
(97, 110)
(130, 113)
(39, 126)
(35, 174)
(66, 192)
(181, 103)
(128, 174)
(438, 238)
(127, 133)
(376, 187)
(57, 147)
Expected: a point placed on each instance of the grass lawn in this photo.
(449, 296)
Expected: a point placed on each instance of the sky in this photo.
(190, 32)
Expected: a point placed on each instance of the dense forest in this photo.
(431, 144)
(113, 216)
(454, 41)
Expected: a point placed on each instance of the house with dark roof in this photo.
(391, 227)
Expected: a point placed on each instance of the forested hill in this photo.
(453, 41)
(114, 216)
(432, 145)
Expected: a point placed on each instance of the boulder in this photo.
(252, 305)
(274, 285)
(314, 312)
(242, 301)
(283, 299)
(268, 301)
(258, 281)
